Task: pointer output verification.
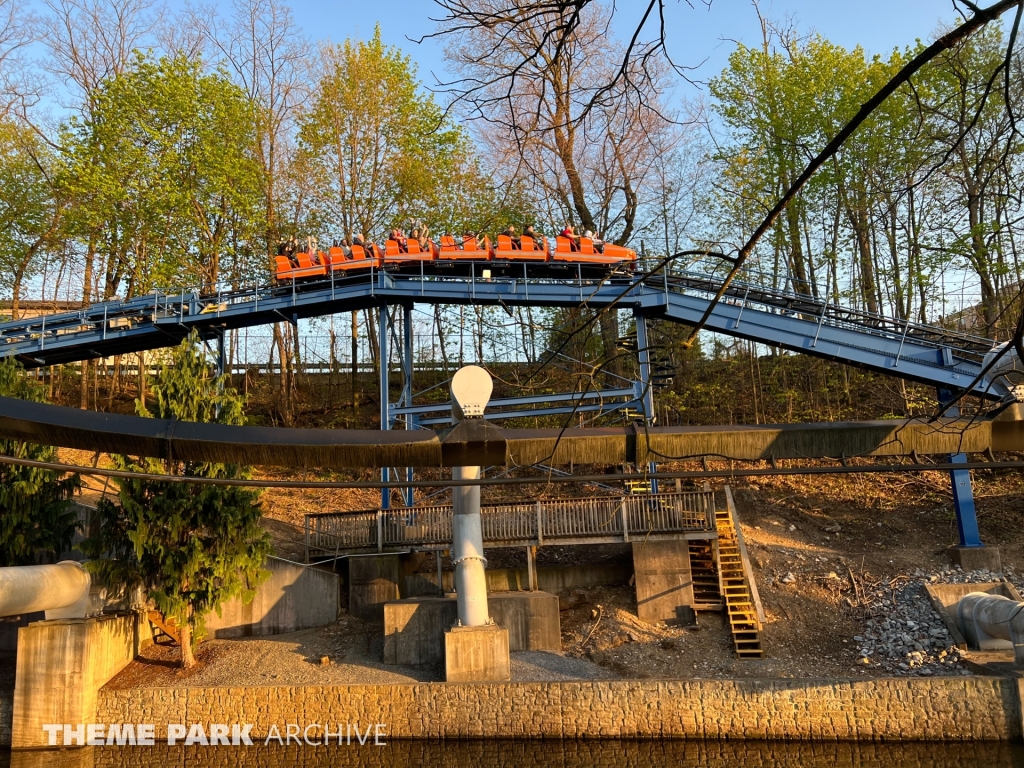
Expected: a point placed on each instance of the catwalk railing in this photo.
(597, 520)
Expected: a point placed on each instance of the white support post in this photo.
(468, 550)
(471, 390)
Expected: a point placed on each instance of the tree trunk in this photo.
(610, 339)
(188, 659)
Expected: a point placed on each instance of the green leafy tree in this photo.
(35, 504)
(30, 214)
(165, 177)
(190, 546)
(368, 171)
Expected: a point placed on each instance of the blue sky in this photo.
(697, 36)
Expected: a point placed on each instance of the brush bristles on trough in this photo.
(488, 444)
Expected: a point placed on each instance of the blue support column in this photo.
(963, 493)
(383, 328)
(221, 354)
(407, 370)
(643, 352)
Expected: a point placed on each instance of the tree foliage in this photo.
(377, 149)
(165, 176)
(190, 546)
(924, 190)
(36, 520)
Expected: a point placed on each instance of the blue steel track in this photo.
(799, 323)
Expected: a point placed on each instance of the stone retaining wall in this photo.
(953, 709)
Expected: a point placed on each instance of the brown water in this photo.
(545, 754)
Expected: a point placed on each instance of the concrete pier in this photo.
(664, 584)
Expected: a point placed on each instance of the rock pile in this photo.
(903, 634)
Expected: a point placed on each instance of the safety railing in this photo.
(556, 521)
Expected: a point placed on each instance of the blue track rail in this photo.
(927, 354)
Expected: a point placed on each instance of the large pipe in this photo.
(33, 588)
(987, 619)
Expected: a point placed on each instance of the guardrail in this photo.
(596, 520)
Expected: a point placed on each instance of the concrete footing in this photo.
(372, 581)
(61, 667)
(976, 558)
(664, 584)
(477, 655)
(414, 629)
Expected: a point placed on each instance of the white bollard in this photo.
(33, 588)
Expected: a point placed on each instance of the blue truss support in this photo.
(963, 491)
(643, 352)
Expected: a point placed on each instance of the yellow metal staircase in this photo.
(737, 592)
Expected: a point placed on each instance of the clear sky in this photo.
(697, 36)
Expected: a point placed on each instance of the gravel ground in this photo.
(353, 650)
(544, 666)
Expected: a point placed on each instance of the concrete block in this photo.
(294, 597)
(976, 558)
(664, 583)
(372, 581)
(477, 655)
(531, 618)
(60, 668)
(414, 628)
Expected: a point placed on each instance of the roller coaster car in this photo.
(623, 255)
(396, 258)
(471, 249)
(527, 251)
(306, 268)
(613, 255)
(339, 262)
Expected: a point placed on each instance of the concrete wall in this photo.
(954, 709)
(294, 597)
(517, 579)
(372, 581)
(414, 629)
(664, 583)
(62, 665)
(517, 753)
